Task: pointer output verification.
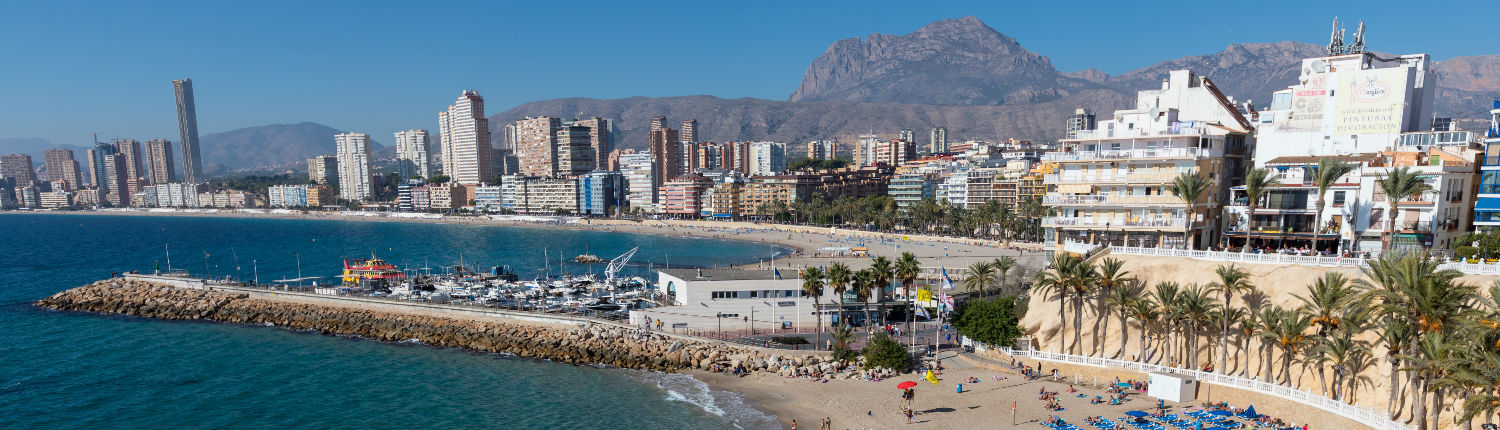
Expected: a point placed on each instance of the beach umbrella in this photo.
(1250, 412)
(905, 385)
(1137, 414)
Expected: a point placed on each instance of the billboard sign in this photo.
(1372, 101)
(1308, 105)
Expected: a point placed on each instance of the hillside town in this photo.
(1186, 167)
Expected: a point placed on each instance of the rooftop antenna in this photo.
(1359, 40)
(1335, 39)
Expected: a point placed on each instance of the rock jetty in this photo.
(583, 343)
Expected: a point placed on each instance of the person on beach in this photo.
(908, 416)
(794, 424)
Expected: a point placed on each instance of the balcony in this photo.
(1138, 132)
(1125, 154)
(1112, 200)
(1154, 177)
(1089, 222)
(1416, 227)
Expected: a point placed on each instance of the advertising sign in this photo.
(1308, 105)
(1371, 101)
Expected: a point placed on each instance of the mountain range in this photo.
(955, 73)
(978, 83)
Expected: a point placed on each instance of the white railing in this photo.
(1138, 132)
(1375, 419)
(1113, 222)
(1118, 177)
(1110, 200)
(1304, 260)
(1079, 247)
(1124, 154)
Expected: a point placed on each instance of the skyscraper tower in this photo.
(187, 131)
(411, 154)
(160, 168)
(62, 167)
(689, 131)
(465, 137)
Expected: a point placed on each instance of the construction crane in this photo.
(616, 264)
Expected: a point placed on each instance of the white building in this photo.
(640, 180)
(411, 154)
(699, 297)
(465, 136)
(1347, 104)
(767, 158)
(353, 152)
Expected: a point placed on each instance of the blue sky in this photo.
(72, 68)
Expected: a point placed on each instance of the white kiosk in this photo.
(1172, 387)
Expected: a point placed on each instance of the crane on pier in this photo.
(616, 264)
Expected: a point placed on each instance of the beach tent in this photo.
(1136, 414)
(1250, 412)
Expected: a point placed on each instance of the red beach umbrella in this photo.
(905, 385)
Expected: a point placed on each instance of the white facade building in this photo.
(465, 136)
(353, 153)
(640, 180)
(767, 158)
(411, 154)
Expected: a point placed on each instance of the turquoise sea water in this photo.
(80, 370)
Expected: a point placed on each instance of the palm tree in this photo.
(1003, 266)
(1342, 351)
(1232, 280)
(1059, 281)
(1165, 300)
(1257, 183)
(1326, 301)
(907, 270)
(1197, 310)
(1189, 186)
(838, 279)
(980, 275)
(1121, 300)
(1145, 311)
(1288, 327)
(1112, 275)
(864, 287)
(1254, 302)
(812, 286)
(1329, 171)
(1481, 370)
(1400, 184)
(880, 269)
(1416, 297)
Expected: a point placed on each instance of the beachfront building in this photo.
(767, 158)
(683, 197)
(353, 153)
(600, 193)
(55, 199)
(539, 195)
(411, 154)
(700, 297)
(1112, 183)
(1487, 202)
(464, 137)
(912, 186)
(639, 170)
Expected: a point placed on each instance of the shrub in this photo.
(995, 321)
(842, 335)
(887, 353)
(790, 340)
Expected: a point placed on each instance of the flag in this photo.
(947, 282)
(776, 272)
(931, 378)
(923, 312)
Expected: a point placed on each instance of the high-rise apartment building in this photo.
(822, 150)
(465, 135)
(411, 154)
(575, 154)
(689, 131)
(18, 167)
(1080, 120)
(658, 123)
(666, 148)
(536, 145)
(135, 173)
(97, 176)
(640, 180)
(937, 140)
(115, 179)
(353, 151)
(767, 158)
(600, 139)
(160, 169)
(908, 135)
(509, 139)
(324, 170)
(187, 131)
(62, 167)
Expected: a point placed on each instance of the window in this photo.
(1338, 198)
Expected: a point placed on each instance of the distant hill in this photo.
(275, 144)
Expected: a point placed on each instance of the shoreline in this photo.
(803, 241)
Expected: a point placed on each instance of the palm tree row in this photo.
(1440, 336)
(992, 220)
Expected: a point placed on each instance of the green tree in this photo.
(1257, 183)
(838, 279)
(907, 270)
(1329, 171)
(1120, 300)
(886, 353)
(1189, 187)
(979, 276)
(1112, 275)
(1326, 301)
(1232, 281)
(1400, 184)
(812, 286)
(995, 321)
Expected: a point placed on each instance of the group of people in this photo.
(907, 397)
(1051, 398)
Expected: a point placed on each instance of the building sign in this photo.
(786, 304)
(1308, 105)
(1372, 101)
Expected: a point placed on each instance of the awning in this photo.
(1487, 203)
(1075, 188)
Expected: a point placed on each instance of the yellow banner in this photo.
(924, 296)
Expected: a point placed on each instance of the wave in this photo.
(731, 406)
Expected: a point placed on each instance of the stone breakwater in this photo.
(586, 343)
